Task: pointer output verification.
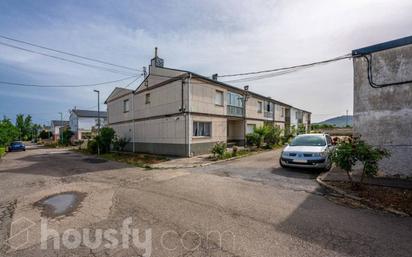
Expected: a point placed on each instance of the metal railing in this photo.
(268, 115)
(235, 110)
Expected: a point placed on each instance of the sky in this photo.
(205, 37)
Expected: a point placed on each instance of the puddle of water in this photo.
(60, 204)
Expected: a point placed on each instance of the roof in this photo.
(89, 114)
(55, 123)
(383, 46)
(213, 81)
(236, 88)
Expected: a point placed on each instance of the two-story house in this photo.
(177, 112)
(82, 122)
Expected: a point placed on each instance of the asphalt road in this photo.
(245, 207)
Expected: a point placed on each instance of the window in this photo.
(282, 112)
(234, 99)
(202, 129)
(219, 98)
(250, 128)
(259, 106)
(147, 98)
(126, 105)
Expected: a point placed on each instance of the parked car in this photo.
(17, 146)
(308, 151)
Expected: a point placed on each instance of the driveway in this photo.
(245, 207)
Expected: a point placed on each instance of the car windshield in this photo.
(310, 140)
(16, 143)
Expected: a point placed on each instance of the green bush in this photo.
(347, 153)
(253, 139)
(66, 136)
(105, 139)
(274, 136)
(92, 146)
(219, 150)
(120, 143)
(2, 151)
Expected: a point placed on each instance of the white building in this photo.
(55, 127)
(82, 122)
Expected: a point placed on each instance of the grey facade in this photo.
(383, 101)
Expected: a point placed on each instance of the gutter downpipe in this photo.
(189, 111)
(133, 129)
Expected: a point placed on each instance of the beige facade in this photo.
(177, 112)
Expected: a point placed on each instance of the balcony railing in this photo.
(235, 111)
(268, 115)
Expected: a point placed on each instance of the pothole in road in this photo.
(60, 204)
(93, 160)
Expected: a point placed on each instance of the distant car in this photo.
(17, 146)
(308, 151)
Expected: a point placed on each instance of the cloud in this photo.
(211, 37)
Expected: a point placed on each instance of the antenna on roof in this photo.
(156, 51)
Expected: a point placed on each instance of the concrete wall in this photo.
(201, 145)
(203, 98)
(383, 116)
(252, 109)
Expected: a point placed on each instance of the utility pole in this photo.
(98, 119)
(61, 125)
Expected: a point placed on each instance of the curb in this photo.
(208, 163)
(356, 198)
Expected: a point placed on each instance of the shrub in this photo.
(2, 151)
(219, 150)
(120, 143)
(105, 139)
(274, 136)
(347, 153)
(92, 146)
(252, 139)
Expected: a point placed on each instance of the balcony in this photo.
(234, 111)
(268, 115)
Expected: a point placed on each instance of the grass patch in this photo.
(2, 151)
(135, 159)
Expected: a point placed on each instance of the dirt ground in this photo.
(245, 207)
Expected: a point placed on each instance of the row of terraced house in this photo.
(181, 113)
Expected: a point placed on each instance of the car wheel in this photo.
(281, 164)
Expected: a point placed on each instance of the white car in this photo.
(308, 151)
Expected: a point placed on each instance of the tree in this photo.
(8, 132)
(66, 135)
(45, 134)
(24, 126)
(105, 139)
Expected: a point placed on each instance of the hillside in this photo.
(339, 121)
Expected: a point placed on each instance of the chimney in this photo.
(157, 61)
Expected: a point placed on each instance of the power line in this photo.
(67, 53)
(66, 60)
(346, 56)
(58, 86)
(133, 81)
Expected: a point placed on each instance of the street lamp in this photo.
(98, 118)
